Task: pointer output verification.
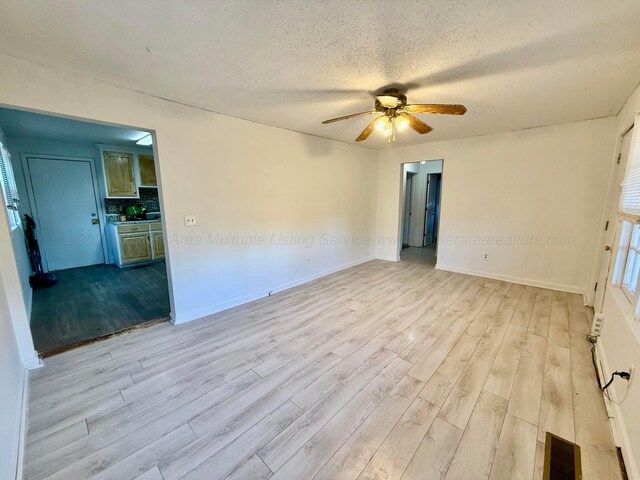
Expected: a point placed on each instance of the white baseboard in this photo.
(21, 433)
(513, 279)
(33, 362)
(210, 310)
(388, 259)
(621, 438)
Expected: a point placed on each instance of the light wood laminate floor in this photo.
(385, 370)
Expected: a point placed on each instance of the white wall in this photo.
(619, 344)
(502, 192)
(242, 180)
(12, 371)
(12, 378)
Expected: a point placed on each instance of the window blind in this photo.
(8, 181)
(630, 198)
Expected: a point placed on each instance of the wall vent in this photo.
(561, 459)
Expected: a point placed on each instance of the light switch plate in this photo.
(189, 220)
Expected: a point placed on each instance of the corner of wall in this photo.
(22, 427)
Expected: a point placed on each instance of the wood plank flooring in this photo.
(382, 371)
(91, 302)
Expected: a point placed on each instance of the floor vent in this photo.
(561, 459)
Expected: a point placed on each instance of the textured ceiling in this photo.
(290, 63)
(17, 123)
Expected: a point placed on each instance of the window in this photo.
(632, 264)
(9, 189)
(626, 272)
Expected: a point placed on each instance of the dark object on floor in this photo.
(42, 280)
(561, 459)
(39, 279)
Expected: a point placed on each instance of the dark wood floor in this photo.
(91, 302)
(421, 255)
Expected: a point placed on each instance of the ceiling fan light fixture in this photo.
(397, 115)
(401, 123)
(382, 123)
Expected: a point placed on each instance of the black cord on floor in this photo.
(593, 359)
(624, 375)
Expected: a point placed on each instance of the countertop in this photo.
(131, 222)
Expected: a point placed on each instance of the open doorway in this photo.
(422, 184)
(86, 227)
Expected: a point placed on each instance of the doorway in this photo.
(422, 184)
(85, 189)
(604, 274)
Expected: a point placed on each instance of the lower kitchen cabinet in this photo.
(157, 244)
(136, 243)
(135, 248)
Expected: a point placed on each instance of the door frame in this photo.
(400, 224)
(24, 161)
(437, 208)
(407, 190)
(605, 258)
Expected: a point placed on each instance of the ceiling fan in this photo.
(397, 115)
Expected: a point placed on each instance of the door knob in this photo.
(607, 248)
(95, 221)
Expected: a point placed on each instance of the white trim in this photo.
(33, 362)
(509, 278)
(388, 258)
(619, 432)
(22, 431)
(210, 310)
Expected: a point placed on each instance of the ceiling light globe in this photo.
(402, 123)
(382, 123)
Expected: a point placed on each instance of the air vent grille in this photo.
(561, 459)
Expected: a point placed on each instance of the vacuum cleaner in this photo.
(39, 279)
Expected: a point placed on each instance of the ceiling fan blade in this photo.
(346, 117)
(417, 124)
(436, 108)
(367, 131)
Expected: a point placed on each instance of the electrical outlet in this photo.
(308, 260)
(189, 220)
(486, 256)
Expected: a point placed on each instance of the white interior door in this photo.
(612, 210)
(418, 198)
(407, 207)
(66, 211)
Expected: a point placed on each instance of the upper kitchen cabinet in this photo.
(119, 174)
(147, 171)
